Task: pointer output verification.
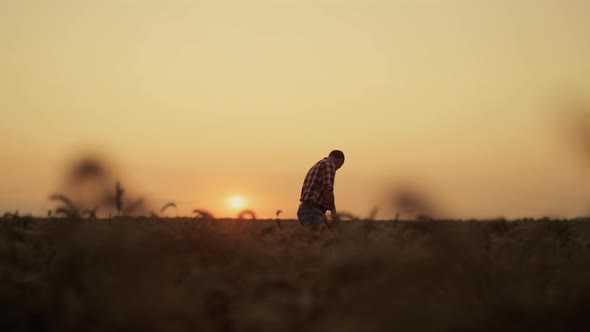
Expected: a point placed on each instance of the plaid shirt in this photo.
(320, 177)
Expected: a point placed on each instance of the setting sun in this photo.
(236, 202)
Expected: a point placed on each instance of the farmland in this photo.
(182, 274)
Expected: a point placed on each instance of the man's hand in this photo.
(335, 217)
(329, 223)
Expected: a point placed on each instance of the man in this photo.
(317, 194)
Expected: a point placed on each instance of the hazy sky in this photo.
(195, 101)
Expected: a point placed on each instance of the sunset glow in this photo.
(236, 202)
(187, 100)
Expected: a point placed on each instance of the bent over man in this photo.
(317, 194)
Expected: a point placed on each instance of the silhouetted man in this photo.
(317, 194)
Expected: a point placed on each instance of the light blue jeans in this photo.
(310, 216)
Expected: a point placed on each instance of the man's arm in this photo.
(329, 175)
(329, 199)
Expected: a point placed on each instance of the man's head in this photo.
(337, 157)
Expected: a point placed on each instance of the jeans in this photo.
(310, 216)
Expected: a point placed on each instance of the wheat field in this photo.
(183, 274)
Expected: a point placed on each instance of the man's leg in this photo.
(310, 216)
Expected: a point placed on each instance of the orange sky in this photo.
(196, 101)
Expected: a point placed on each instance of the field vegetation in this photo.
(204, 274)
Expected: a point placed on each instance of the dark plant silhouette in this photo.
(119, 197)
(135, 206)
(347, 216)
(25, 222)
(9, 215)
(68, 209)
(202, 214)
(91, 213)
(278, 213)
(167, 206)
(66, 212)
(247, 213)
(373, 213)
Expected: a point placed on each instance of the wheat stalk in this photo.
(244, 213)
(134, 205)
(25, 221)
(70, 210)
(167, 206)
(347, 215)
(373, 213)
(119, 197)
(65, 211)
(202, 214)
(91, 213)
(64, 199)
(278, 219)
(12, 216)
